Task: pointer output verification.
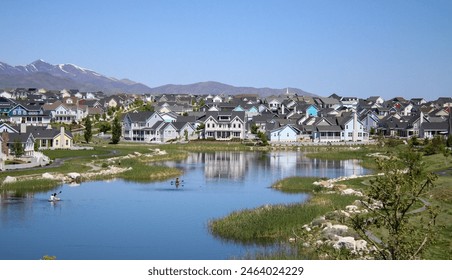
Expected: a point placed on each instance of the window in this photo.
(350, 134)
(56, 142)
(67, 142)
(287, 134)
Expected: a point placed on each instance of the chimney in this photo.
(421, 120)
(282, 109)
(62, 136)
(23, 128)
(355, 127)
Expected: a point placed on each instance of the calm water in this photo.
(125, 220)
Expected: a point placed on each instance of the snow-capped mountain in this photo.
(40, 74)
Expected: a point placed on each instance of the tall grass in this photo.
(271, 223)
(30, 186)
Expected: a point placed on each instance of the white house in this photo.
(353, 129)
(286, 133)
(224, 125)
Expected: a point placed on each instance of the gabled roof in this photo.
(232, 114)
(295, 129)
(139, 116)
(42, 132)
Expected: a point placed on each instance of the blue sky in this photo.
(352, 48)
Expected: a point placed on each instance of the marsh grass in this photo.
(31, 186)
(272, 223)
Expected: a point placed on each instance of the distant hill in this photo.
(219, 88)
(40, 74)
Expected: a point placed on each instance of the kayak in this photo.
(54, 200)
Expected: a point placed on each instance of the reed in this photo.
(269, 224)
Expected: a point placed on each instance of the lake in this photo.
(119, 220)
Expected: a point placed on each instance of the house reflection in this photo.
(223, 164)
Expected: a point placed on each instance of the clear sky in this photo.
(352, 48)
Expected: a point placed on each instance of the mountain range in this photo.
(40, 74)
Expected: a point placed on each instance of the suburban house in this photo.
(25, 139)
(286, 133)
(51, 138)
(224, 125)
(29, 114)
(155, 127)
(66, 112)
(139, 126)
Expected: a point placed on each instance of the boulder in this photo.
(347, 242)
(351, 192)
(335, 230)
(351, 208)
(48, 176)
(9, 179)
(361, 245)
(73, 175)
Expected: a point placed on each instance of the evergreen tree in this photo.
(88, 130)
(18, 148)
(115, 131)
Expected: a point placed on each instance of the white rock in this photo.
(48, 176)
(9, 179)
(347, 242)
(348, 191)
(361, 245)
(73, 175)
(351, 208)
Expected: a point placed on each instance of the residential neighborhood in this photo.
(36, 117)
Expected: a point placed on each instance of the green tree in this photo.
(186, 135)
(400, 222)
(18, 148)
(88, 130)
(263, 137)
(254, 128)
(115, 131)
(104, 127)
(449, 141)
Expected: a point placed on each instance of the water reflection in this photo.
(158, 220)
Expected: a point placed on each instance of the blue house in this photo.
(29, 114)
(287, 133)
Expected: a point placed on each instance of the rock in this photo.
(334, 231)
(346, 214)
(73, 175)
(351, 192)
(9, 179)
(361, 245)
(327, 225)
(292, 239)
(348, 191)
(345, 242)
(48, 176)
(351, 208)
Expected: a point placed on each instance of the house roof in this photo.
(139, 116)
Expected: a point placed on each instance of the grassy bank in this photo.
(271, 224)
(137, 158)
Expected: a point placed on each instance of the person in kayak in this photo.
(53, 197)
